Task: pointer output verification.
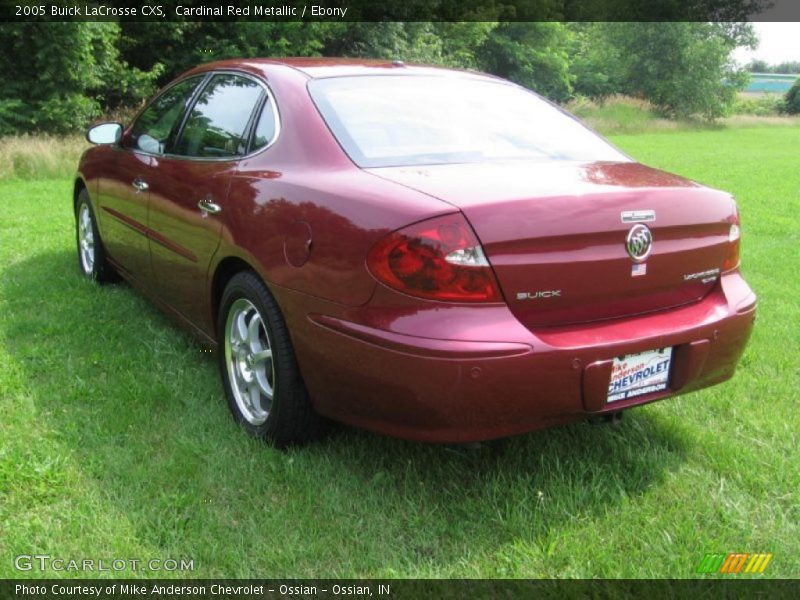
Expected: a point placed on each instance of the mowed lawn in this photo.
(115, 440)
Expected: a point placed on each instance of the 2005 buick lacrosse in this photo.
(433, 254)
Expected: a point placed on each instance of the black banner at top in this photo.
(406, 10)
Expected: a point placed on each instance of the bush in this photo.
(792, 100)
(682, 68)
(10, 120)
(619, 115)
(759, 106)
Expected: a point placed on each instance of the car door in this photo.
(192, 189)
(123, 189)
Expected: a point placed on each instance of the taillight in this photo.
(734, 235)
(439, 259)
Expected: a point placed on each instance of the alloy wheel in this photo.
(86, 239)
(248, 358)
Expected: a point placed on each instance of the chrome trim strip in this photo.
(152, 235)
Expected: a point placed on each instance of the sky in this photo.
(779, 42)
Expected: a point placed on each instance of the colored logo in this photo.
(639, 242)
(734, 563)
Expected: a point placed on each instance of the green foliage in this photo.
(404, 41)
(792, 100)
(460, 41)
(596, 63)
(178, 46)
(625, 115)
(684, 69)
(59, 76)
(535, 55)
(617, 115)
(10, 119)
(760, 106)
(761, 66)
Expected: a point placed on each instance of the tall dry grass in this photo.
(40, 156)
(625, 115)
(621, 114)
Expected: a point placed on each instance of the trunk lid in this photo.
(556, 238)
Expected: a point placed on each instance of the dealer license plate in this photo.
(638, 374)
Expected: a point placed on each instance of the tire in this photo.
(262, 381)
(92, 260)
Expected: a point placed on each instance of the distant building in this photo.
(770, 83)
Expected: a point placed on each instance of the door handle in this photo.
(140, 184)
(209, 207)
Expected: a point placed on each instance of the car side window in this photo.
(217, 124)
(265, 128)
(154, 126)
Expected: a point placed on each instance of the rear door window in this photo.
(218, 123)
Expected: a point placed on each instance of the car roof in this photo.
(319, 67)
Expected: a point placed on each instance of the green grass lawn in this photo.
(115, 440)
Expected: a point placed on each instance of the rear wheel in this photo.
(265, 391)
(91, 254)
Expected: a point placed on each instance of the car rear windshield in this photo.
(383, 121)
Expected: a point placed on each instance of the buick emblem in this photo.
(639, 242)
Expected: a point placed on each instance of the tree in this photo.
(461, 41)
(178, 46)
(759, 66)
(792, 99)
(762, 66)
(683, 68)
(58, 76)
(61, 75)
(596, 66)
(389, 40)
(535, 55)
(788, 67)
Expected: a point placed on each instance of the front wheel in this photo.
(265, 391)
(91, 253)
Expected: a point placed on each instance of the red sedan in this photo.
(433, 254)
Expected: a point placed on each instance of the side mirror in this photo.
(149, 144)
(105, 133)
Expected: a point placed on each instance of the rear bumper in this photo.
(423, 387)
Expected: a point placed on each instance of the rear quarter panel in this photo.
(304, 213)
